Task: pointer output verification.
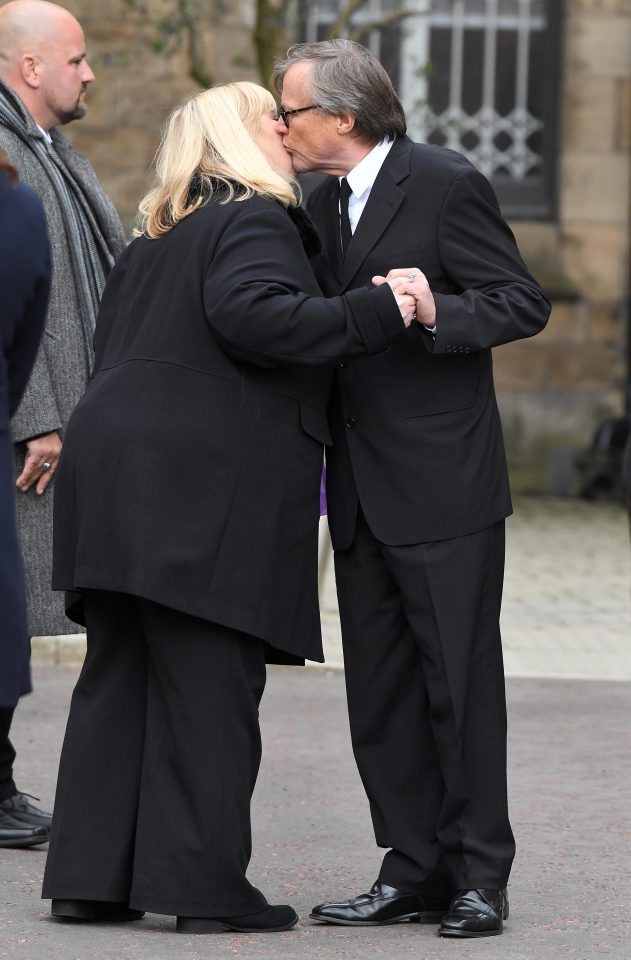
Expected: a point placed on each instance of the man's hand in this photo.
(40, 463)
(412, 281)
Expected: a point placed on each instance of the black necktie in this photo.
(345, 223)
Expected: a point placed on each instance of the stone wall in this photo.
(554, 389)
(136, 86)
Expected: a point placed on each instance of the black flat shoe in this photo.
(270, 920)
(26, 813)
(382, 905)
(475, 913)
(15, 835)
(94, 911)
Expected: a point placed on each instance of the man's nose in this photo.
(87, 76)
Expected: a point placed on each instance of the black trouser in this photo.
(425, 684)
(159, 762)
(7, 755)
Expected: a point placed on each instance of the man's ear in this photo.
(30, 69)
(345, 125)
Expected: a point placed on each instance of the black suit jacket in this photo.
(416, 430)
(191, 467)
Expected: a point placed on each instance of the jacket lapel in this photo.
(327, 219)
(385, 199)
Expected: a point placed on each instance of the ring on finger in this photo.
(46, 466)
(411, 276)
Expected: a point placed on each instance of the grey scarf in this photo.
(87, 247)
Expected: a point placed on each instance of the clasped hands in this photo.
(412, 293)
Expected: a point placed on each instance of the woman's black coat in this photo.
(24, 285)
(191, 467)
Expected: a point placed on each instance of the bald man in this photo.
(44, 78)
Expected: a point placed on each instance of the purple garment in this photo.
(323, 493)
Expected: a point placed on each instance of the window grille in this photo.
(478, 76)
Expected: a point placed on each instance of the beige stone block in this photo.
(536, 239)
(600, 46)
(623, 125)
(143, 103)
(603, 365)
(568, 323)
(590, 116)
(594, 258)
(126, 191)
(605, 323)
(585, 366)
(595, 187)
(599, 7)
(234, 55)
(522, 365)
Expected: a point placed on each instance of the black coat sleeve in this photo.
(498, 300)
(261, 298)
(25, 284)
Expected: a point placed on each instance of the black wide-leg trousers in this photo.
(426, 699)
(159, 762)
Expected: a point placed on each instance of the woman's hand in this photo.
(407, 306)
(412, 281)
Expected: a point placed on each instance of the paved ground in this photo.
(566, 624)
(567, 594)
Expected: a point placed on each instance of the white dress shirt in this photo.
(46, 133)
(361, 179)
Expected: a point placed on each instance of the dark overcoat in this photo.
(416, 429)
(24, 286)
(190, 472)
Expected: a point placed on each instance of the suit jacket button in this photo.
(342, 364)
(350, 423)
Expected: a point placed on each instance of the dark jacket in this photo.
(416, 430)
(24, 286)
(190, 470)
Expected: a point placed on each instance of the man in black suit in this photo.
(417, 489)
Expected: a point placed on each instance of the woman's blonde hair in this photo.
(207, 143)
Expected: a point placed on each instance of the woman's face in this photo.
(270, 141)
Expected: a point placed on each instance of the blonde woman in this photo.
(187, 505)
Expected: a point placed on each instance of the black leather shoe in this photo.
(380, 906)
(269, 920)
(14, 834)
(20, 808)
(94, 911)
(475, 913)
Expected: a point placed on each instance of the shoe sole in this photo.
(198, 925)
(25, 842)
(469, 934)
(425, 917)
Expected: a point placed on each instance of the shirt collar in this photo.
(361, 178)
(45, 133)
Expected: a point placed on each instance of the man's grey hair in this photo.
(348, 79)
